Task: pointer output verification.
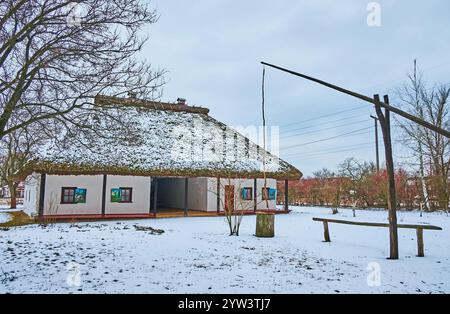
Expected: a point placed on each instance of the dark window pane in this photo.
(68, 195)
(126, 195)
(247, 194)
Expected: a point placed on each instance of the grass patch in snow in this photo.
(17, 219)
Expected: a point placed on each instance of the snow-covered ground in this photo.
(5, 208)
(4, 217)
(195, 255)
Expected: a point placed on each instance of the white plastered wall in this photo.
(53, 190)
(31, 194)
(140, 195)
(238, 185)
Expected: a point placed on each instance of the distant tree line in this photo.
(359, 184)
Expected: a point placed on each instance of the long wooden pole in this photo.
(400, 112)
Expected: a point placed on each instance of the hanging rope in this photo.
(264, 135)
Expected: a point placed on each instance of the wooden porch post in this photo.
(420, 249)
(105, 178)
(218, 195)
(255, 195)
(286, 195)
(42, 195)
(155, 196)
(186, 188)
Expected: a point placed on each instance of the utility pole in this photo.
(376, 143)
(385, 126)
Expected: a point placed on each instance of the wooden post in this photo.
(420, 246)
(286, 195)
(42, 195)
(155, 196)
(105, 178)
(326, 232)
(218, 195)
(186, 188)
(392, 200)
(265, 225)
(255, 195)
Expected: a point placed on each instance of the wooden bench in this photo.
(419, 229)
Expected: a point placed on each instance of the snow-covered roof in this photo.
(176, 140)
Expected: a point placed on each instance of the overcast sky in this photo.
(212, 49)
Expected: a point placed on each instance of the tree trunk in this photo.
(12, 192)
(426, 199)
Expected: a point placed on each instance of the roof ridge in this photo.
(103, 100)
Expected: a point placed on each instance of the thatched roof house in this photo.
(181, 159)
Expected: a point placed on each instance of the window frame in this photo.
(130, 194)
(73, 189)
(266, 196)
(251, 194)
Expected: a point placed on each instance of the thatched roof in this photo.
(176, 140)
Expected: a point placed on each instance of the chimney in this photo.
(181, 101)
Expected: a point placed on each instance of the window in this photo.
(125, 195)
(68, 196)
(73, 196)
(269, 194)
(121, 195)
(247, 194)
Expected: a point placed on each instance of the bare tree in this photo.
(430, 104)
(56, 56)
(16, 149)
(233, 203)
(359, 173)
(323, 176)
(233, 208)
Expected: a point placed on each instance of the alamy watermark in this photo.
(205, 142)
(374, 16)
(73, 277)
(374, 276)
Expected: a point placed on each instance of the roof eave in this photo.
(72, 169)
